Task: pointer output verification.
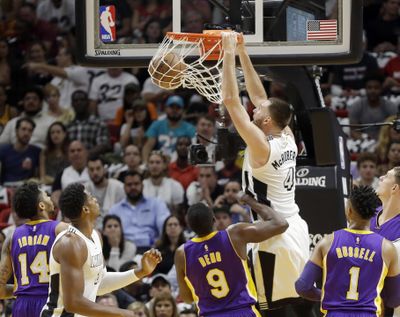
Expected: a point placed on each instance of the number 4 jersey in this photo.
(219, 279)
(354, 272)
(30, 250)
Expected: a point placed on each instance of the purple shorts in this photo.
(242, 312)
(31, 306)
(350, 314)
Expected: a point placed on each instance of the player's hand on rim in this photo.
(229, 41)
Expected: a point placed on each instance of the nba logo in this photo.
(107, 24)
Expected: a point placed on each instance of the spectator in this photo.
(367, 169)
(87, 128)
(193, 22)
(229, 171)
(107, 300)
(6, 111)
(60, 13)
(132, 162)
(164, 306)
(393, 158)
(372, 108)
(68, 77)
(181, 170)
(19, 161)
(137, 121)
(206, 189)
(142, 218)
(387, 135)
(54, 158)
(392, 73)
(157, 185)
(171, 238)
(76, 172)
(205, 132)
(188, 313)
(152, 31)
(138, 291)
(162, 134)
(108, 192)
(106, 93)
(223, 217)
(33, 109)
(139, 309)
(52, 96)
(5, 67)
(116, 249)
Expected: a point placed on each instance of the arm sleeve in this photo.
(390, 292)
(115, 280)
(305, 284)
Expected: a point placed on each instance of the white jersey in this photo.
(274, 182)
(93, 271)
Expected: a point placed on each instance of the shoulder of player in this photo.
(61, 226)
(388, 247)
(70, 248)
(326, 242)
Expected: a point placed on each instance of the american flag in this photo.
(321, 30)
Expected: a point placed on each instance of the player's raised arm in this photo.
(184, 292)
(390, 292)
(71, 252)
(251, 134)
(6, 270)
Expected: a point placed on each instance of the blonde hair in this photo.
(49, 88)
(139, 305)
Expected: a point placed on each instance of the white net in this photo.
(191, 62)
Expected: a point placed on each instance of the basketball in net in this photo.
(190, 60)
(167, 71)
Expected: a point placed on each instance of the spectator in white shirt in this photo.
(61, 13)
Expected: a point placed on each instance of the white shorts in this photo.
(278, 263)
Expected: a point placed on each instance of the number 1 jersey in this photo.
(354, 272)
(219, 279)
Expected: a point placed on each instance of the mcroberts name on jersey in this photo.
(285, 156)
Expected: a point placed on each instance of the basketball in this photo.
(167, 71)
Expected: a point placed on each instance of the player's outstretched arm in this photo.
(273, 223)
(390, 292)
(313, 271)
(115, 280)
(71, 252)
(184, 292)
(254, 85)
(6, 270)
(250, 133)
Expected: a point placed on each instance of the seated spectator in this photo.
(132, 160)
(6, 111)
(33, 109)
(52, 96)
(393, 158)
(68, 77)
(87, 128)
(54, 158)
(142, 217)
(152, 32)
(372, 108)
(205, 132)
(188, 313)
(137, 121)
(107, 300)
(107, 191)
(164, 305)
(20, 160)
(229, 200)
(60, 13)
(223, 217)
(157, 185)
(206, 189)
(181, 170)
(367, 169)
(229, 171)
(5, 66)
(139, 309)
(116, 249)
(162, 134)
(387, 135)
(76, 172)
(171, 238)
(106, 93)
(138, 291)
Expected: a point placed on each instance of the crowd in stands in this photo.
(128, 140)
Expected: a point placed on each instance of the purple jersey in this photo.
(354, 272)
(30, 251)
(219, 279)
(389, 230)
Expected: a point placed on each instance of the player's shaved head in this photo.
(201, 219)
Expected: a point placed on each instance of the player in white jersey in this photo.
(77, 269)
(269, 175)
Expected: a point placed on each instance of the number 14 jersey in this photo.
(354, 272)
(219, 279)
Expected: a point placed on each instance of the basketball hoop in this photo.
(191, 60)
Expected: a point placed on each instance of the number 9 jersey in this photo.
(219, 279)
(354, 272)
